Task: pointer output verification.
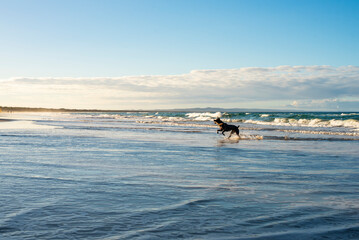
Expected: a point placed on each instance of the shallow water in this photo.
(83, 176)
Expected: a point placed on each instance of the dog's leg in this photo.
(230, 134)
(223, 133)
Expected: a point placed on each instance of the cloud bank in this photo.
(301, 87)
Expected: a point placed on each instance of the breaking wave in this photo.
(350, 123)
(320, 123)
(207, 116)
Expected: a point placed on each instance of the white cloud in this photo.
(316, 104)
(305, 85)
(326, 104)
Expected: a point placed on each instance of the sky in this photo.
(160, 54)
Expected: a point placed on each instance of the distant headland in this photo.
(29, 109)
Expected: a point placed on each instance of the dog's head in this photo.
(218, 121)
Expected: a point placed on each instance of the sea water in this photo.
(169, 175)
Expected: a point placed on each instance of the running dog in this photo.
(224, 127)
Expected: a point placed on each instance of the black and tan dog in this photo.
(224, 127)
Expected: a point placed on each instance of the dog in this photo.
(224, 127)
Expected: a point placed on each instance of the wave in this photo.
(287, 138)
(319, 132)
(174, 123)
(248, 137)
(349, 114)
(203, 118)
(207, 116)
(350, 123)
(194, 116)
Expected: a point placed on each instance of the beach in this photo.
(169, 175)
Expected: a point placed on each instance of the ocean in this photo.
(169, 175)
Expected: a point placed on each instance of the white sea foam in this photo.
(203, 116)
(191, 119)
(250, 137)
(106, 116)
(350, 123)
(349, 114)
(175, 119)
(319, 132)
(177, 123)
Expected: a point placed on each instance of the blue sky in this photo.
(112, 39)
